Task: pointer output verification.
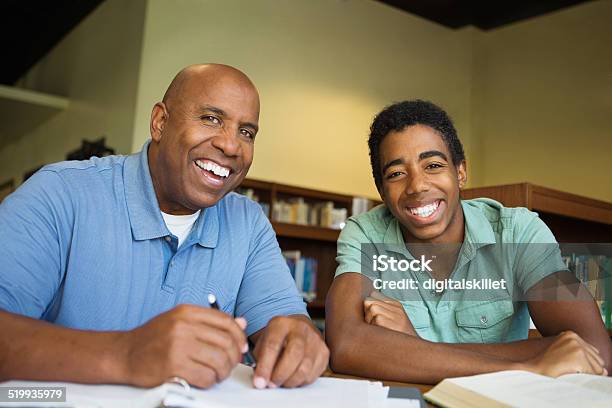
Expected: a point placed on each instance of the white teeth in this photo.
(426, 210)
(213, 167)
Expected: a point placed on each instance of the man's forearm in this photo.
(36, 350)
(375, 352)
(514, 351)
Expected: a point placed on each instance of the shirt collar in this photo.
(478, 231)
(145, 216)
(393, 240)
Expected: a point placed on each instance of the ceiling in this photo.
(30, 28)
(484, 14)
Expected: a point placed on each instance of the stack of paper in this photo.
(236, 391)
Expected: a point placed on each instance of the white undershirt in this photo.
(180, 225)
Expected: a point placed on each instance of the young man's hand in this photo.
(290, 352)
(568, 354)
(383, 311)
(200, 345)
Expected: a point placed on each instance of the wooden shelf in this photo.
(572, 218)
(545, 199)
(24, 110)
(305, 232)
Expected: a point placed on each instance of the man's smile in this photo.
(214, 173)
(425, 212)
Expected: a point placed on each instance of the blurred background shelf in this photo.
(23, 110)
(315, 242)
(283, 229)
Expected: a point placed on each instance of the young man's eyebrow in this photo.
(392, 163)
(432, 153)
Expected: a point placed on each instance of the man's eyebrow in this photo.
(392, 163)
(221, 112)
(432, 153)
(251, 125)
(213, 109)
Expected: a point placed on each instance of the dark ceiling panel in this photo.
(484, 14)
(30, 28)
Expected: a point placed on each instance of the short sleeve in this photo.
(33, 221)
(267, 289)
(537, 252)
(350, 243)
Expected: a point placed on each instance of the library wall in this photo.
(542, 104)
(96, 67)
(323, 68)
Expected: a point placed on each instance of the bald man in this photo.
(107, 263)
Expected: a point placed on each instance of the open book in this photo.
(523, 389)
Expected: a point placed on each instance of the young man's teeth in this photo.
(426, 210)
(214, 168)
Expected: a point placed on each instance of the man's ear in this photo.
(462, 174)
(159, 117)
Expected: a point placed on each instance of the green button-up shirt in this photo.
(511, 245)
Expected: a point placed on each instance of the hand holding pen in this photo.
(200, 345)
(248, 358)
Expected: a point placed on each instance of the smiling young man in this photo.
(107, 263)
(390, 324)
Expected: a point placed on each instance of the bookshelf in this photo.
(571, 218)
(312, 241)
(27, 110)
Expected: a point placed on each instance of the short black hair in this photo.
(396, 117)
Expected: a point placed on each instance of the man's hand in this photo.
(290, 352)
(383, 311)
(568, 354)
(200, 345)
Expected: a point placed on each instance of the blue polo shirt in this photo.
(83, 244)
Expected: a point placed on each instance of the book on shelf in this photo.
(304, 272)
(522, 389)
(297, 211)
(594, 272)
(361, 205)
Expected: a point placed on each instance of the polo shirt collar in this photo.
(478, 231)
(206, 228)
(145, 216)
(393, 240)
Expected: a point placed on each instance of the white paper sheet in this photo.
(236, 391)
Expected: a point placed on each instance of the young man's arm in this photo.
(368, 350)
(570, 307)
(574, 311)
